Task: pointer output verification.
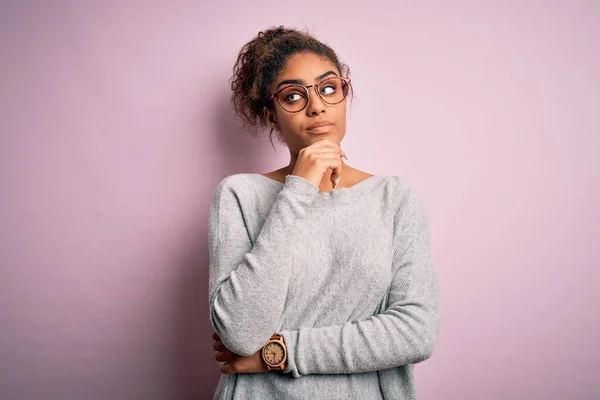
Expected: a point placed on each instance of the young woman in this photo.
(321, 284)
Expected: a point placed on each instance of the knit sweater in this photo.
(345, 276)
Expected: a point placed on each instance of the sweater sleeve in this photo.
(248, 282)
(405, 333)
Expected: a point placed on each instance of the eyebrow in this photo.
(301, 82)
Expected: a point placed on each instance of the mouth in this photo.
(320, 127)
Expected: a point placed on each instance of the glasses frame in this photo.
(306, 89)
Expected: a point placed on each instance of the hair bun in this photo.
(272, 33)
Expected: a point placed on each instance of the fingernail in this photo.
(344, 156)
(336, 181)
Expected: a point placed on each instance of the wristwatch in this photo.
(274, 353)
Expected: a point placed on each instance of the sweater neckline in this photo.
(342, 195)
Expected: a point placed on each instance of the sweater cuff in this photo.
(290, 339)
(301, 187)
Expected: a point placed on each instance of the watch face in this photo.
(273, 353)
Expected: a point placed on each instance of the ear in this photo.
(270, 117)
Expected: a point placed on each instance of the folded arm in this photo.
(404, 333)
(248, 283)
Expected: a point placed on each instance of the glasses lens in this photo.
(292, 98)
(333, 90)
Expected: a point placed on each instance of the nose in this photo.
(315, 105)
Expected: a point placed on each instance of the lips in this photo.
(320, 127)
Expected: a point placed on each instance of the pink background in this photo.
(115, 128)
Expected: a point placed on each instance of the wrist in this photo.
(263, 365)
(274, 353)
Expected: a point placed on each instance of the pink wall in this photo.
(115, 128)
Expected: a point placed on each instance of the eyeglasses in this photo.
(294, 98)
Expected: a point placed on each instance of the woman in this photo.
(321, 285)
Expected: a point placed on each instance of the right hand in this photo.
(234, 363)
(314, 160)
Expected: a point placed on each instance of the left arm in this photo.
(404, 333)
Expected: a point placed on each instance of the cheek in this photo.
(291, 132)
(341, 119)
(291, 123)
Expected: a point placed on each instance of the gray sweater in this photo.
(345, 277)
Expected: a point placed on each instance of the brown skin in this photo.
(316, 158)
(235, 363)
(305, 67)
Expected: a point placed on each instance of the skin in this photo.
(316, 157)
(235, 363)
(292, 126)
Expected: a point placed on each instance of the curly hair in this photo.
(258, 64)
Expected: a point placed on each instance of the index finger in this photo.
(325, 143)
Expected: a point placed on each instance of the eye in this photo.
(292, 94)
(328, 89)
(292, 97)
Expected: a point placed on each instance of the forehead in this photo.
(305, 66)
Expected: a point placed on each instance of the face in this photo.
(308, 69)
